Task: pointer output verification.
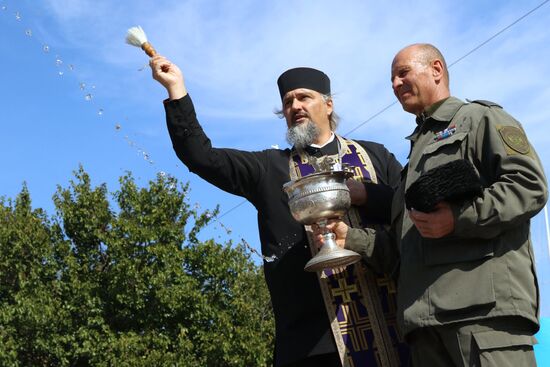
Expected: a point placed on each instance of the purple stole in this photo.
(361, 305)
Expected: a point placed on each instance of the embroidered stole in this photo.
(361, 305)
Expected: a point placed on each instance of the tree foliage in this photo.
(122, 279)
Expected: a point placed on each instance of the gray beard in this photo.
(302, 135)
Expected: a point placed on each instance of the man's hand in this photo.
(339, 228)
(357, 192)
(169, 75)
(436, 224)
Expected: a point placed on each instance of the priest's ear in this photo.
(328, 101)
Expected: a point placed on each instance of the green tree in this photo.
(123, 280)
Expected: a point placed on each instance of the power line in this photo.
(372, 117)
(449, 66)
(230, 210)
(499, 32)
(458, 60)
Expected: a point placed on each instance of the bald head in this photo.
(419, 77)
(427, 54)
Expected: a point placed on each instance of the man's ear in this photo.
(437, 69)
(329, 106)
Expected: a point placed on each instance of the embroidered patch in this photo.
(514, 138)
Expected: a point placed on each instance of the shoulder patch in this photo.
(515, 139)
(485, 103)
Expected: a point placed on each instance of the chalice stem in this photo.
(329, 238)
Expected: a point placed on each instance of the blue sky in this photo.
(231, 53)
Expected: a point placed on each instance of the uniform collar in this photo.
(441, 111)
(447, 110)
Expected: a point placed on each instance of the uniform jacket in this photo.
(300, 315)
(486, 267)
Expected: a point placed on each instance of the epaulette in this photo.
(484, 103)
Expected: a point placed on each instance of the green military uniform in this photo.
(485, 270)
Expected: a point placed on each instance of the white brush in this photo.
(136, 37)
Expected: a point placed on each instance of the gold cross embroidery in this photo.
(344, 289)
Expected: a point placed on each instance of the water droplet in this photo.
(58, 61)
(60, 73)
(143, 67)
(46, 48)
(28, 32)
(145, 156)
(17, 16)
(100, 112)
(4, 7)
(71, 67)
(269, 259)
(88, 97)
(82, 86)
(93, 86)
(118, 127)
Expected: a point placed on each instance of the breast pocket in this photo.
(443, 151)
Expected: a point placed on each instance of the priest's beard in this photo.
(302, 135)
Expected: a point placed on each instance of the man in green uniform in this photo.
(467, 291)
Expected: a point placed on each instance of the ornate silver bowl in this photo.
(314, 199)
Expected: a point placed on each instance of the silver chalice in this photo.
(314, 199)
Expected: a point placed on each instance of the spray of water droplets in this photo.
(89, 90)
(89, 93)
(267, 259)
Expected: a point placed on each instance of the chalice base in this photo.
(329, 258)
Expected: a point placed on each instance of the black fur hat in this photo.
(456, 181)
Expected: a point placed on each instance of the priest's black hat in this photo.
(303, 78)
